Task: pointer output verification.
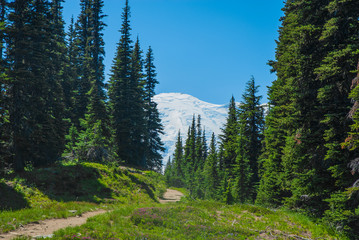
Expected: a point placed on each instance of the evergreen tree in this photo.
(243, 186)
(137, 109)
(118, 90)
(190, 157)
(70, 76)
(126, 98)
(251, 113)
(340, 42)
(97, 98)
(5, 153)
(36, 96)
(154, 126)
(169, 172)
(199, 148)
(178, 158)
(293, 104)
(95, 137)
(229, 138)
(211, 171)
(82, 46)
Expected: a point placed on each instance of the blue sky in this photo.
(205, 48)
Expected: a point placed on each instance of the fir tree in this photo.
(211, 171)
(137, 109)
(243, 186)
(5, 153)
(229, 137)
(178, 157)
(36, 96)
(95, 137)
(251, 114)
(83, 43)
(126, 98)
(118, 87)
(154, 127)
(169, 172)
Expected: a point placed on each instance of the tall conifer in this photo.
(154, 127)
(229, 137)
(251, 114)
(36, 95)
(211, 171)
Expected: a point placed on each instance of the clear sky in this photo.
(205, 48)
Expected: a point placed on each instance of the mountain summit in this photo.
(177, 110)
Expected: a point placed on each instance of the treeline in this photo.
(308, 158)
(55, 103)
(228, 172)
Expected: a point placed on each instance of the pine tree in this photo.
(154, 127)
(70, 76)
(243, 186)
(251, 114)
(341, 44)
(82, 46)
(5, 153)
(293, 101)
(199, 148)
(169, 172)
(36, 96)
(211, 171)
(178, 157)
(126, 98)
(229, 138)
(190, 157)
(118, 87)
(97, 108)
(95, 137)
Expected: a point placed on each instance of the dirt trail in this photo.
(47, 227)
(171, 196)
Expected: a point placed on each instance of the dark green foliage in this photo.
(70, 76)
(5, 153)
(82, 46)
(252, 118)
(118, 91)
(210, 171)
(127, 98)
(36, 96)
(304, 165)
(94, 140)
(229, 137)
(169, 173)
(154, 127)
(243, 186)
(251, 115)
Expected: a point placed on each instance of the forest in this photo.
(301, 153)
(304, 154)
(55, 103)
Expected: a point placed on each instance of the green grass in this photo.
(132, 196)
(197, 220)
(51, 192)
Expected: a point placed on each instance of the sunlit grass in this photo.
(198, 220)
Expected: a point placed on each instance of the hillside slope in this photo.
(69, 190)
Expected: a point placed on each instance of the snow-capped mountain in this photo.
(177, 111)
